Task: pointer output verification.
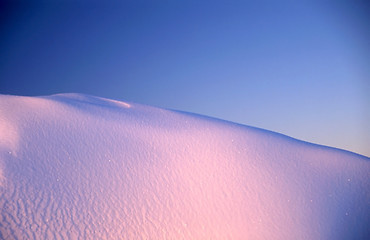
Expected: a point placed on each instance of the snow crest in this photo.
(74, 166)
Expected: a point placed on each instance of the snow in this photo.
(74, 166)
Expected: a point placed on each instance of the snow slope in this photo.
(80, 167)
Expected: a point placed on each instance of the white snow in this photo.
(81, 167)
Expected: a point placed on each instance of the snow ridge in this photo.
(74, 166)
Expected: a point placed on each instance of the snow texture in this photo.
(74, 166)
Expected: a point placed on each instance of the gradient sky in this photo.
(300, 68)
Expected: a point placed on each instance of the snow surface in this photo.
(81, 167)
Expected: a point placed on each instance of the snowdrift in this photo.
(80, 167)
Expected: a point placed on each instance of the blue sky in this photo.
(300, 68)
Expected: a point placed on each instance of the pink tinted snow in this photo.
(80, 167)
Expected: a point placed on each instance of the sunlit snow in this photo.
(81, 167)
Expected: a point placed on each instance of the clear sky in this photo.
(301, 68)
